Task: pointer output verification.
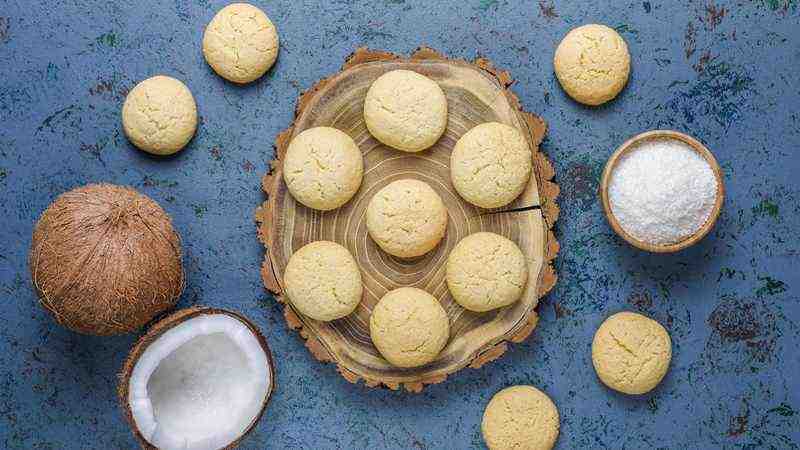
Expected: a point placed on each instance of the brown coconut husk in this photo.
(105, 260)
(159, 329)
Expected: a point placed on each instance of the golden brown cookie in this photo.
(520, 417)
(409, 327)
(323, 168)
(323, 281)
(491, 165)
(486, 271)
(631, 353)
(592, 64)
(159, 115)
(240, 43)
(406, 218)
(405, 110)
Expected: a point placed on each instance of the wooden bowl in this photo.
(476, 93)
(632, 143)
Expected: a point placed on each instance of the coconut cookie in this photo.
(520, 417)
(240, 43)
(592, 64)
(409, 327)
(486, 271)
(631, 353)
(405, 110)
(406, 218)
(322, 281)
(323, 168)
(159, 115)
(490, 165)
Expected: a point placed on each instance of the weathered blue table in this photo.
(725, 72)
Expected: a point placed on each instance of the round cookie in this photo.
(405, 110)
(631, 353)
(406, 218)
(323, 168)
(490, 165)
(409, 327)
(486, 271)
(323, 281)
(159, 115)
(240, 43)
(520, 417)
(592, 64)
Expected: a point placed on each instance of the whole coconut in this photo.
(105, 260)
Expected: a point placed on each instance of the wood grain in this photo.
(476, 93)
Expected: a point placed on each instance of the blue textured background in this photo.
(725, 72)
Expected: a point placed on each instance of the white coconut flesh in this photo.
(200, 384)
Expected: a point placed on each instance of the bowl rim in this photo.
(626, 148)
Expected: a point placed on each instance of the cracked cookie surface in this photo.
(592, 64)
(405, 110)
(491, 165)
(409, 327)
(240, 43)
(406, 218)
(520, 417)
(159, 115)
(323, 281)
(323, 168)
(631, 353)
(486, 271)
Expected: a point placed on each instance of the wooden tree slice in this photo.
(476, 93)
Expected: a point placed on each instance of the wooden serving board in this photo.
(476, 93)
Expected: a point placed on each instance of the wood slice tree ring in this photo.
(476, 93)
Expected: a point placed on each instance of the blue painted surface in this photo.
(725, 72)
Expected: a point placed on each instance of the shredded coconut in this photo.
(662, 191)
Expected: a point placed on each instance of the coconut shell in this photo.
(154, 333)
(105, 260)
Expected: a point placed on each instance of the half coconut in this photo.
(199, 379)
